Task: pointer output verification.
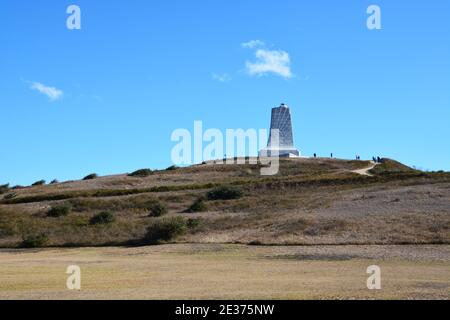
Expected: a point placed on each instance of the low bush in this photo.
(389, 167)
(103, 217)
(142, 173)
(172, 168)
(158, 209)
(199, 205)
(8, 227)
(165, 230)
(4, 188)
(193, 223)
(35, 240)
(55, 181)
(38, 183)
(91, 176)
(225, 193)
(10, 196)
(59, 211)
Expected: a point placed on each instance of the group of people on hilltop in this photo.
(377, 159)
(358, 157)
(374, 159)
(315, 155)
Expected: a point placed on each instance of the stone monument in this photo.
(281, 121)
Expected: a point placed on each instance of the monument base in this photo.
(282, 153)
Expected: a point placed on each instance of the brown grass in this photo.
(311, 201)
(227, 272)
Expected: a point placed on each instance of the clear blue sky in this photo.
(137, 70)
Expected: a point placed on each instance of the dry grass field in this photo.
(216, 231)
(213, 271)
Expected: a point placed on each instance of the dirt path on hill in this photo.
(365, 171)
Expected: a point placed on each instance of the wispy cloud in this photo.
(223, 77)
(253, 44)
(270, 61)
(91, 96)
(51, 92)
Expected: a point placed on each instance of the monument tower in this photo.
(281, 121)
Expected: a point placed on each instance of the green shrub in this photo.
(142, 173)
(165, 230)
(39, 183)
(172, 168)
(158, 209)
(34, 240)
(199, 205)
(8, 227)
(10, 196)
(91, 176)
(193, 223)
(4, 188)
(225, 193)
(55, 181)
(255, 243)
(389, 167)
(59, 211)
(103, 217)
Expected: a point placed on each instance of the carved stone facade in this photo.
(282, 123)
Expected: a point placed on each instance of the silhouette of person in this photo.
(315, 155)
(331, 155)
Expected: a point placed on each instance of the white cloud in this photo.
(51, 92)
(224, 77)
(253, 44)
(270, 61)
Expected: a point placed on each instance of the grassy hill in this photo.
(310, 201)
